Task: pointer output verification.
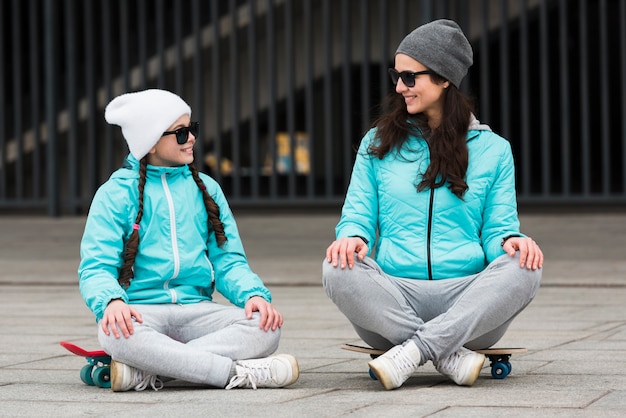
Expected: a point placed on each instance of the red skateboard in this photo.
(98, 371)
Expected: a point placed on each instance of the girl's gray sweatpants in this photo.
(196, 342)
(440, 316)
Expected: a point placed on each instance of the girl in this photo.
(434, 191)
(159, 239)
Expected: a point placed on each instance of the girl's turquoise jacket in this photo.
(432, 234)
(178, 259)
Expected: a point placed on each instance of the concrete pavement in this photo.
(575, 331)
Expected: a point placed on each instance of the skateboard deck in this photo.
(98, 370)
(498, 357)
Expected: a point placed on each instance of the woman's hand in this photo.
(270, 317)
(341, 252)
(118, 314)
(530, 254)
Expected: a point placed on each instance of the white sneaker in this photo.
(463, 367)
(395, 366)
(271, 372)
(125, 378)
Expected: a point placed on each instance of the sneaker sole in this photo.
(475, 369)
(384, 378)
(117, 371)
(295, 369)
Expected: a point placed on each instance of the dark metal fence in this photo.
(284, 89)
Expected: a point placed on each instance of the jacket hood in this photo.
(475, 125)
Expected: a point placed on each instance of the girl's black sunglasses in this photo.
(182, 134)
(408, 77)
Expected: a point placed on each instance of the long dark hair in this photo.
(132, 244)
(447, 143)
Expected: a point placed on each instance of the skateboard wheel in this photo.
(372, 375)
(85, 375)
(500, 370)
(102, 377)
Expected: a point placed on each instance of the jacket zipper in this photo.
(429, 233)
(170, 203)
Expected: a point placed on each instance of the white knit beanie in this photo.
(144, 116)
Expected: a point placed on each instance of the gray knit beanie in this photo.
(440, 46)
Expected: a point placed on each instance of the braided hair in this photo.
(132, 244)
(212, 210)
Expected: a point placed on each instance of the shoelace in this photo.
(450, 364)
(250, 377)
(141, 382)
(402, 360)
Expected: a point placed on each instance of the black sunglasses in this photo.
(182, 134)
(408, 77)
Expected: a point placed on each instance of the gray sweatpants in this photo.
(440, 316)
(196, 342)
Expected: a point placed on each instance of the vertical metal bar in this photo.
(142, 42)
(217, 90)
(525, 105)
(124, 55)
(328, 101)
(92, 149)
(402, 19)
(178, 50)
(3, 155)
(35, 114)
(106, 62)
(234, 101)
(198, 83)
(108, 82)
(346, 92)
(584, 99)
(384, 47)
(426, 9)
(51, 107)
(485, 74)
(524, 188)
(365, 65)
(441, 8)
(605, 125)
(253, 69)
(565, 111)
(546, 174)
(464, 21)
(160, 41)
(17, 101)
(622, 32)
(289, 65)
(310, 125)
(271, 73)
(70, 104)
(505, 82)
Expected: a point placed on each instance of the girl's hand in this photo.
(341, 252)
(270, 317)
(118, 314)
(530, 254)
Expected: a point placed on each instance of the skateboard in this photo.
(98, 370)
(499, 360)
(498, 357)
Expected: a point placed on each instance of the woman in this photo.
(159, 240)
(433, 191)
